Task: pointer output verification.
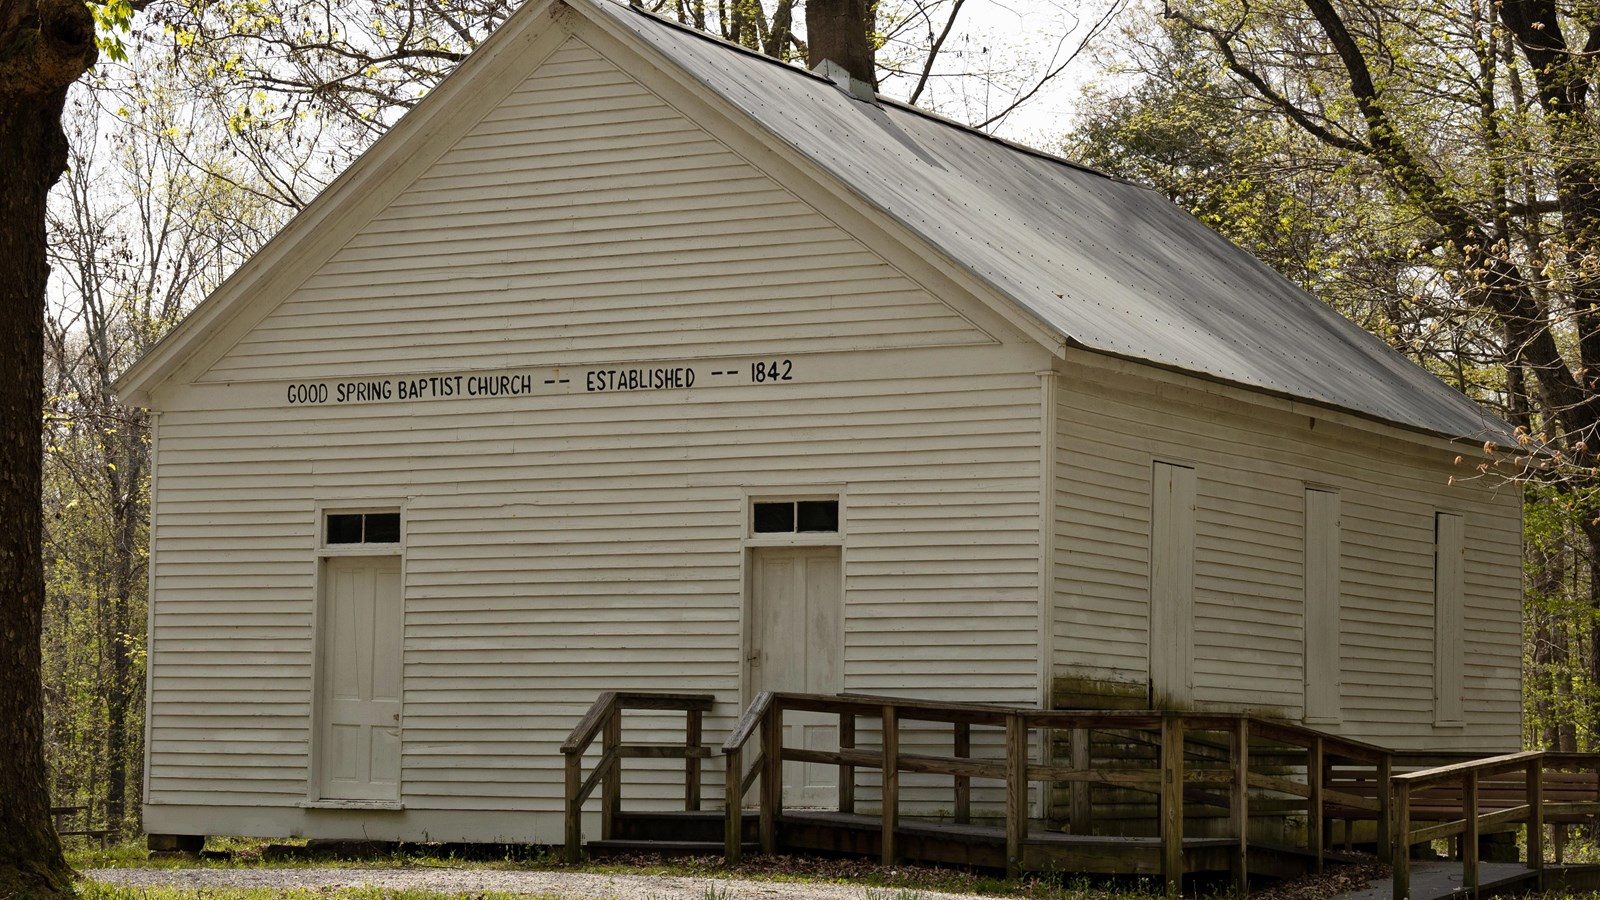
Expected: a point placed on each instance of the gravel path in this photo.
(567, 885)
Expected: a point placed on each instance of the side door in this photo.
(798, 646)
(359, 676)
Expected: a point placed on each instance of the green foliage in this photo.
(1561, 699)
(149, 217)
(1268, 144)
(112, 20)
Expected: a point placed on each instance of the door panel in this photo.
(798, 645)
(360, 676)
(1172, 520)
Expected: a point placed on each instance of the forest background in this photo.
(1432, 170)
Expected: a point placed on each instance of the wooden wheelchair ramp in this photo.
(1097, 792)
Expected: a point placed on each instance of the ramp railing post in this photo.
(890, 819)
(963, 749)
(771, 776)
(692, 727)
(1172, 803)
(1314, 804)
(1239, 807)
(847, 772)
(1469, 834)
(1535, 791)
(1016, 792)
(733, 814)
(574, 824)
(1400, 843)
(1080, 807)
(1385, 821)
(611, 784)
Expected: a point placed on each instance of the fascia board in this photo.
(358, 194)
(1111, 365)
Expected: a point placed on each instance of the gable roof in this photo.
(1107, 265)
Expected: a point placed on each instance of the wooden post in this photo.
(1239, 808)
(847, 772)
(1400, 845)
(1535, 792)
(1016, 792)
(574, 839)
(1172, 803)
(1385, 823)
(1469, 837)
(733, 818)
(771, 776)
(691, 765)
(889, 820)
(963, 748)
(1080, 805)
(611, 791)
(1314, 822)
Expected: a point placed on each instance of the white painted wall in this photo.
(563, 542)
(1254, 457)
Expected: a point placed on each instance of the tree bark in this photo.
(841, 30)
(44, 47)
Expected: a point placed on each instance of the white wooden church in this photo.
(631, 360)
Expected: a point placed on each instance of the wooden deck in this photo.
(1182, 788)
(1437, 880)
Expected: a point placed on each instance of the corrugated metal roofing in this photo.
(1109, 265)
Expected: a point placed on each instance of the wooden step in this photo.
(615, 847)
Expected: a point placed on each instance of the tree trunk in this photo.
(841, 30)
(44, 47)
(33, 151)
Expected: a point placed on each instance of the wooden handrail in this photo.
(1483, 768)
(584, 733)
(605, 718)
(748, 723)
(1167, 778)
(1222, 762)
(1472, 776)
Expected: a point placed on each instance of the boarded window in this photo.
(1322, 614)
(1171, 584)
(1449, 583)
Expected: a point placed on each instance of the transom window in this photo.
(364, 528)
(795, 516)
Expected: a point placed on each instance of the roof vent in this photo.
(844, 81)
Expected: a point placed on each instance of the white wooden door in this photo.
(1172, 519)
(798, 645)
(359, 731)
(1323, 617)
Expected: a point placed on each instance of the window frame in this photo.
(753, 538)
(324, 510)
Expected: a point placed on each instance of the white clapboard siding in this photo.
(1254, 461)
(564, 543)
(585, 220)
(525, 600)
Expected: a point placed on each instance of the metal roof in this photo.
(1111, 266)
